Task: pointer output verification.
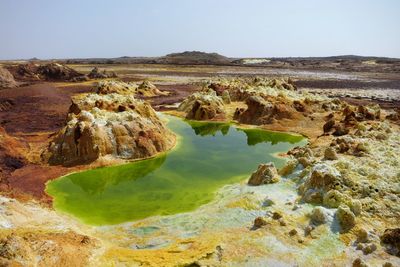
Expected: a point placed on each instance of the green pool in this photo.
(207, 157)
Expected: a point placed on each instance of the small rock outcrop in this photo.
(95, 73)
(146, 88)
(44, 72)
(330, 154)
(265, 174)
(322, 179)
(318, 216)
(117, 87)
(6, 79)
(204, 105)
(57, 72)
(116, 125)
(259, 222)
(345, 217)
(260, 111)
(391, 238)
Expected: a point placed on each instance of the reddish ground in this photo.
(31, 115)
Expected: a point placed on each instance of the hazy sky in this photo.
(242, 28)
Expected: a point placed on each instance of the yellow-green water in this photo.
(208, 156)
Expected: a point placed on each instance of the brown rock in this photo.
(276, 215)
(369, 112)
(146, 88)
(328, 126)
(318, 216)
(45, 72)
(340, 130)
(6, 79)
(57, 72)
(260, 111)
(96, 74)
(293, 232)
(359, 263)
(204, 105)
(345, 217)
(219, 88)
(265, 174)
(97, 128)
(391, 237)
(330, 154)
(259, 222)
(300, 107)
(110, 87)
(368, 249)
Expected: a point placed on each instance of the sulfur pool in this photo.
(207, 157)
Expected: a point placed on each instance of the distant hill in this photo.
(342, 62)
(194, 58)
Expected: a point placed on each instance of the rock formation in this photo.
(46, 72)
(318, 216)
(6, 79)
(345, 217)
(322, 179)
(147, 89)
(96, 74)
(113, 124)
(260, 111)
(117, 87)
(204, 105)
(391, 238)
(265, 174)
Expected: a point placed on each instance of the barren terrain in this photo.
(34, 112)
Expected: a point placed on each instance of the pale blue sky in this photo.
(242, 28)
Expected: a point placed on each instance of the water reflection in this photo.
(209, 128)
(209, 156)
(255, 136)
(97, 180)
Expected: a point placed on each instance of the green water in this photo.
(208, 156)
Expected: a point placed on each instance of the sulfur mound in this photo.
(110, 87)
(265, 174)
(116, 125)
(148, 89)
(260, 111)
(345, 217)
(204, 105)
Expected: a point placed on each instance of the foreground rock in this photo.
(204, 105)
(391, 238)
(265, 174)
(6, 79)
(345, 217)
(116, 125)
